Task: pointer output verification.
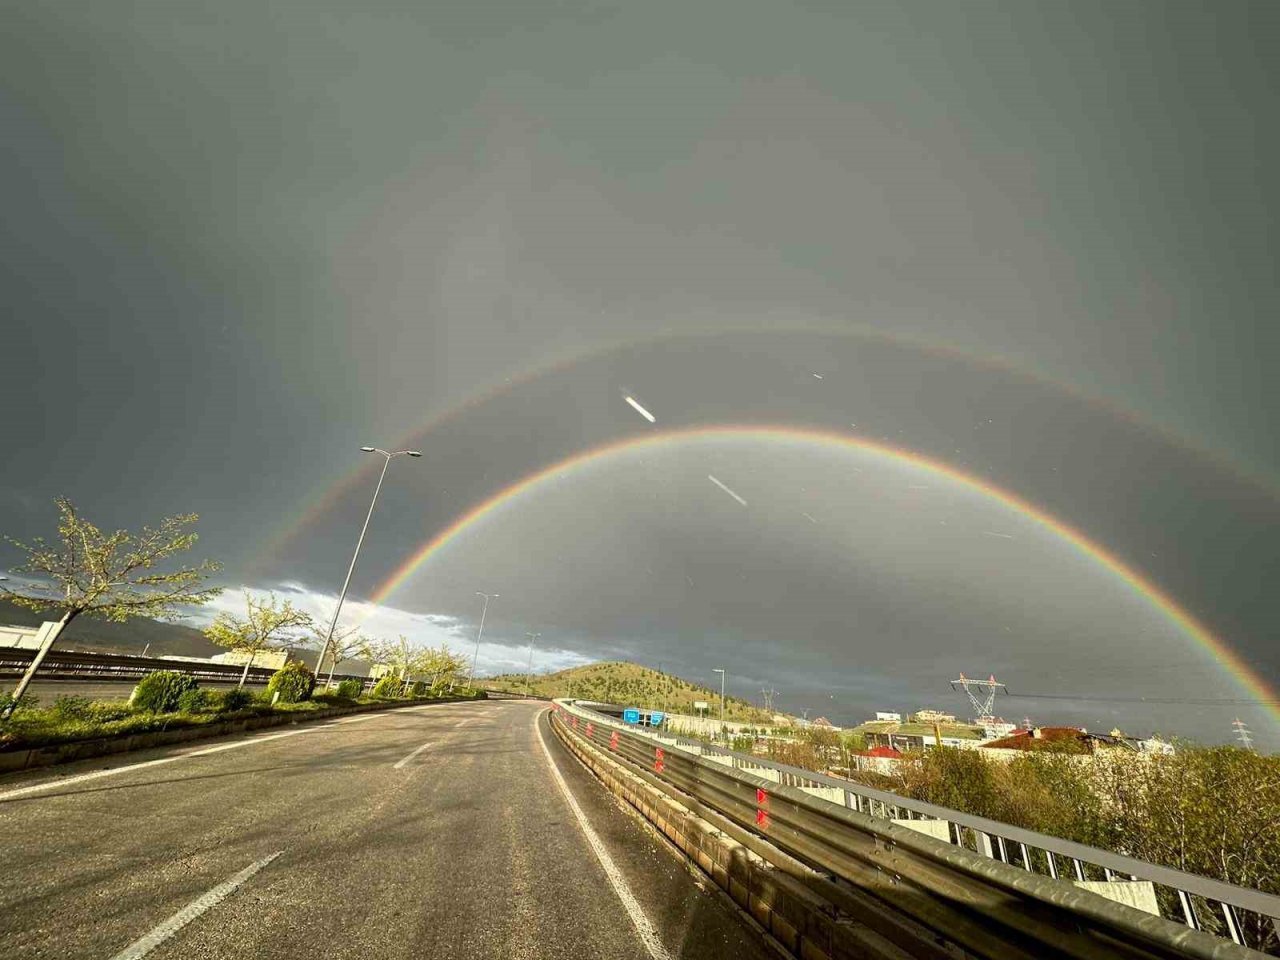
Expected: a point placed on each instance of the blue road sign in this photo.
(656, 717)
(631, 715)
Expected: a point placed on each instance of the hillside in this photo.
(103, 636)
(628, 683)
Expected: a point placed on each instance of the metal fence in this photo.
(72, 665)
(727, 780)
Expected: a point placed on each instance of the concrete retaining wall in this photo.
(13, 760)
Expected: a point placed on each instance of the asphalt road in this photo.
(434, 831)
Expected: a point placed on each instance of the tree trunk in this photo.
(51, 634)
(248, 663)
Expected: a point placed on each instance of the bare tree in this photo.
(115, 576)
(263, 627)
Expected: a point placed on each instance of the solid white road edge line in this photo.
(648, 935)
(140, 948)
(400, 763)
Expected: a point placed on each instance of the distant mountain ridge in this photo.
(622, 682)
(132, 636)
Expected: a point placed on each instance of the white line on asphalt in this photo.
(400, 763)
(648, 936)
(140, 948)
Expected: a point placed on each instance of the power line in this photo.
(1203, 701)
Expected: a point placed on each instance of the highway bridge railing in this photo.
(70, 665)
(984, 876)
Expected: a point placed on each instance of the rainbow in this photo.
(1140, 585)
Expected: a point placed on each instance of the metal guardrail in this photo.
(733, 784)
(113, 667)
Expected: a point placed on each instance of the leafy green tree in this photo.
(265, 626)
(115, 576)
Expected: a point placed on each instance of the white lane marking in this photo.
(400, 763)
(648, 935)
(140, 948)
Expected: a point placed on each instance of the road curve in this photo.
(428, 831)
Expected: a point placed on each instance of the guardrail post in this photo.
(1233, 924)
(1188, 910)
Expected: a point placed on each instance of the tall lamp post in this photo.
(388, 457)
(528, 676)
(721, 672)
(480, 633)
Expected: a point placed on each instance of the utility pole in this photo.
(388, 456)
(480, 633)
(528, 676)
(720, 671)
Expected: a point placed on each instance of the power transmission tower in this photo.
(1242, 733)
(981, 693)
(768, 699)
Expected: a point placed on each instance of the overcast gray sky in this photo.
(1034, 242)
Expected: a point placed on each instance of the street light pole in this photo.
(721, 672)
(528, 676)
(480, 633)
(328, 637)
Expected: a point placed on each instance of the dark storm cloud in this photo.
(238, 245)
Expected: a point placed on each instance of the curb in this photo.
(12, 761)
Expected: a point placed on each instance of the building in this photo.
(888, 717)
(901, 736)
(16, 637)
(271, 659)
(933, 716)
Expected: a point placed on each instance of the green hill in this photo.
(630, 684)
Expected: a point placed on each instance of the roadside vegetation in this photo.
(168, 700)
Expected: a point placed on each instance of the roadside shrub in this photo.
(349, 689)
(159, 691)
(389, 687)
(107, 711)
(294, 682)
(195, 701)
(72, 708)
(236, 698)
(417, 689)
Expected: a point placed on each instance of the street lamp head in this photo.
(367, 449)
(414, 453)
